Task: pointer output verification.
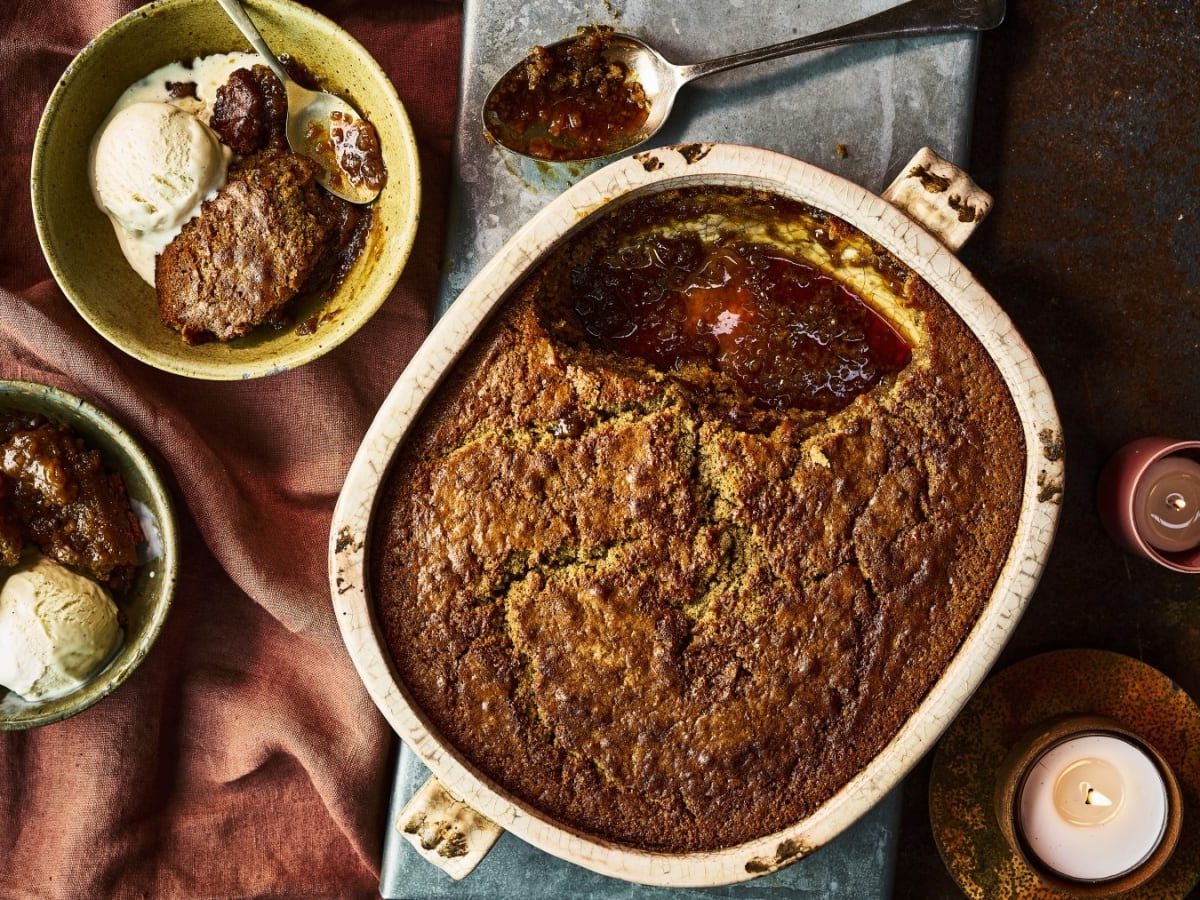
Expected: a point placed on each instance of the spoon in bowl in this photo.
(322, 126)
(564, 129)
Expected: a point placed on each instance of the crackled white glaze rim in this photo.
(657, 170)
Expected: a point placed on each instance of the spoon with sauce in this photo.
(602, 92)
(323, 126)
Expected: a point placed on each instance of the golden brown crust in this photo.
(669, 625)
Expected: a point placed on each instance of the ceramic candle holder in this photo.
(1118, 487)
(1016, 768)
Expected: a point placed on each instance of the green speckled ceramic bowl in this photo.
(147, 604)
(78, 239)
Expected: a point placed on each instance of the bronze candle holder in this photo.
(1014, 717)
(1017, 766)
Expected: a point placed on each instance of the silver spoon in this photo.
(661, 80)
(309, 115)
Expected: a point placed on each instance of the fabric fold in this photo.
(244, 758)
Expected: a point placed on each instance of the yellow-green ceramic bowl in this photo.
(146, 605)
(78, 239)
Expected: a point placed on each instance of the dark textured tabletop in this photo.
(1087, 132)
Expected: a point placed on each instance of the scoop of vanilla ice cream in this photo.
(56, 628)
(154, 164)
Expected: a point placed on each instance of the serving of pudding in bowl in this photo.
(178, 220)
(88, 555)
(212, 207)
(709, 504)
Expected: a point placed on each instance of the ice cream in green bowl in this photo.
(88, 555)
(175, 212)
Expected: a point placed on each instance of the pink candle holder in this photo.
(1118, 491)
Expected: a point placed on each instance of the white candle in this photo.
(1093, 807)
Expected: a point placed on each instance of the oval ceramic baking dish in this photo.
(455, 803)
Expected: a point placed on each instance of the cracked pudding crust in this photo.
(665, 610)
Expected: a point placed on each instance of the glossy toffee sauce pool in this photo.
(790, 335)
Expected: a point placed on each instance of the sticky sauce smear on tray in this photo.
(789, 335)
(568, 102)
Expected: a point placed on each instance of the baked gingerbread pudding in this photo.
(270, 236)
(697, 521)
(214, 208)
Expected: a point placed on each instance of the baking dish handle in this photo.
(940, 196)
(446, 831)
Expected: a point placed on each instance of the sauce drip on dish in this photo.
(788, 334)
(568, 102)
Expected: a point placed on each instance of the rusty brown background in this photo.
(1087, 131)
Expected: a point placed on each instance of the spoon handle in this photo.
(237, 15)
(917, 17)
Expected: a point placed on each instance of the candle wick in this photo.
(1177, 501)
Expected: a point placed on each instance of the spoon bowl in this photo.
(661, 80)
(309, 115)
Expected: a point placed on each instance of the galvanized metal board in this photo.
(881, 102)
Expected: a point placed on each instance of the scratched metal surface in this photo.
(883, 102)
(1087, 127)
(857, 866)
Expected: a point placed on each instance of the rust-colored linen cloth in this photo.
(244, 757)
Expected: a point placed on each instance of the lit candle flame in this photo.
(1177, 501)
(1093, 797)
